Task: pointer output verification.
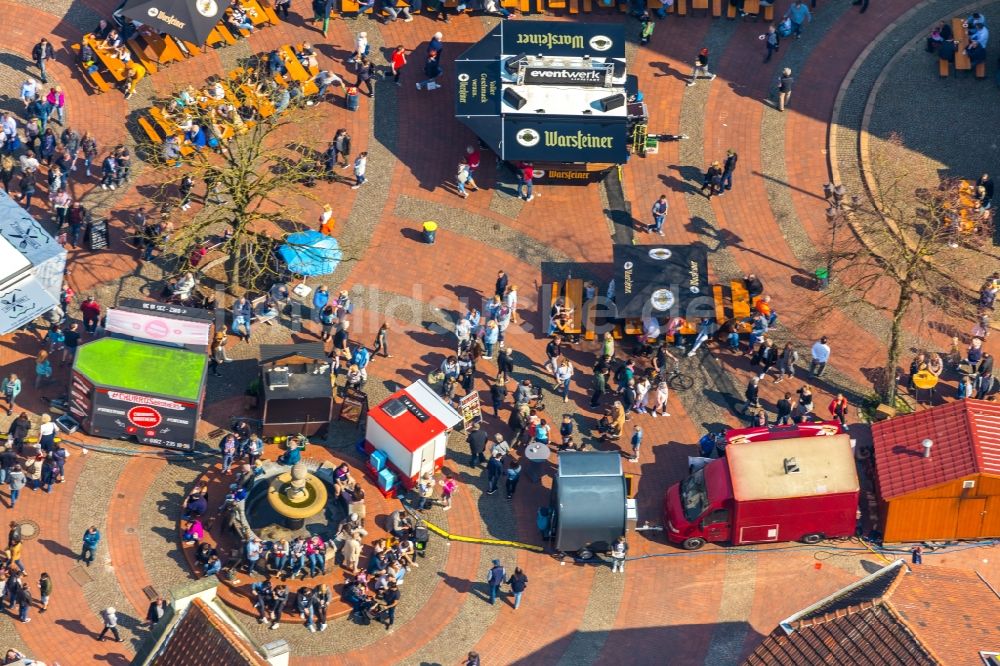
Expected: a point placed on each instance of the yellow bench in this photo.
(944, 67)
(720, 305)
(574, 299)
(741, 300)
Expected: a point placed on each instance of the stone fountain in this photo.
(296, 495)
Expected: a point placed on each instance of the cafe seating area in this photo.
(718, 8)
(105, 65)
(231, 104)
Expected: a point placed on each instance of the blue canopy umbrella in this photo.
(310, 253)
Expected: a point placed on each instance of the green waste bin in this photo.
(430, 231)
(822, 278)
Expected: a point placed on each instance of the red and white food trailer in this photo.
(411, 428)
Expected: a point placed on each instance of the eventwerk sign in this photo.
(549, 76)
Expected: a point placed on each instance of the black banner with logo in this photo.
(553, 139)
(663, 281)
(477, 88)
(551, 38)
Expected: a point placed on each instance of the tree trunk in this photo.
(895, 344)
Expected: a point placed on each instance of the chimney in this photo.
(927, 444)
(791, 466)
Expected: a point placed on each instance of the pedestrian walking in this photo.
(513, 476)
(799, 15)
(564, 374)
(41, 54)
(636, 442)
(786, 363)
(448, 489)
(381, 343)
(820, 356)
(916, 553)
(425, 490)
(518, 584)
(785, 83)
(90, 540)
(155, 612)
(44, 591)
(477, 440)
(397, 61)
(90, 309)
(360, 167)
(712, 180)
(660, 209)
(838, 409)
(110, 617)
(752, 394)
(24, 601)
(618, 551)
(728, 167)
(701, 67)
(494, 470)
(525, 180)
(772, 41)
(496, 577)
(10, 388)
(17, 480)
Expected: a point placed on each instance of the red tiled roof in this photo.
(895, 617)
(966, 436)
(202, 637)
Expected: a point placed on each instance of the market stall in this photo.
(128, 389)
(410, 428)
(551, 93)
(297, 389)
(32, 264)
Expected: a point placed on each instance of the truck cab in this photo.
(699, 508)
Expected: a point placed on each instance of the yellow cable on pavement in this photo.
(489, 542)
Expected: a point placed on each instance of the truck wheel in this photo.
(694, 543)
(585, 554)
(812, 538)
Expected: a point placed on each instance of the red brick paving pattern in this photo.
(687, 599)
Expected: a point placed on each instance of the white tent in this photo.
(32, 264)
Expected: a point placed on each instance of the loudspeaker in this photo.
(512, 64)
(511, 97)
(610, 102)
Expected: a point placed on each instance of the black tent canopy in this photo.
(189, 20)
(544, 91)
(662, 281)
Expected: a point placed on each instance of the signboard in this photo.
(565, 140)
(151, 420)
(167, 309)
(548, 76)
(563, 39)
(22, 303)
(470, 409)
(564, 176)
(97, 234)
(353, 406)
(158, 328)
(478, 87)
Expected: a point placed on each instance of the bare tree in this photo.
(900, 254)
(253, 173)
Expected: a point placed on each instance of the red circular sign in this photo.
(144, 417)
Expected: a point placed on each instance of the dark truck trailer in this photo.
(799, 489)
(588, 502)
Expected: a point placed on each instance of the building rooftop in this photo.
(202, 637)
(897, 616)
(966, 440)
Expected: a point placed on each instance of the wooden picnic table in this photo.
(295, 69)
(160, 49)
(111, 63)
(962, 37)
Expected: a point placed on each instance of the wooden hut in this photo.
(938, 472)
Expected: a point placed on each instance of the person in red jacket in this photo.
(91, 311)
(398, 62)
(838, 409)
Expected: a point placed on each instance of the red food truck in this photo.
(766, 490)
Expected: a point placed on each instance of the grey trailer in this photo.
(588, 502)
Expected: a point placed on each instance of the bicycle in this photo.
(677, 380)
